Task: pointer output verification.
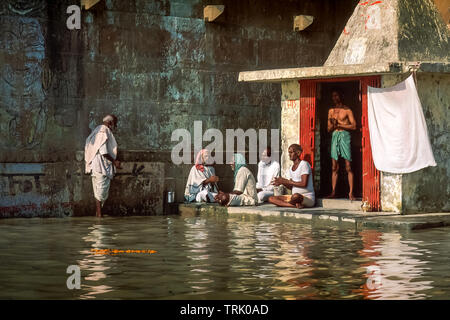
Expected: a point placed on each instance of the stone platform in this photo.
(323, 216)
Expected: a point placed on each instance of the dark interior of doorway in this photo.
(351, 92)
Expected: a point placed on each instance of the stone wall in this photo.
(390, 183)
(154, 63)
(426, 190)
(290, 119)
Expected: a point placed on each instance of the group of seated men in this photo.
(247, 191)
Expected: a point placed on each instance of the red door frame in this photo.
(370, 175)
(307, 115)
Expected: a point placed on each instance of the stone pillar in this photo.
(391, 184)
(290, 122)
(391, 192)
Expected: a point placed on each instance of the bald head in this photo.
(296, 147)
(294, 151)
(110, 121)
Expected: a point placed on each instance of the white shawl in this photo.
(194, 182)
(95, 140)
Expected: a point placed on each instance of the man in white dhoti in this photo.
(268, 170)
(100, 153)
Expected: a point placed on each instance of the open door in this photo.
(370, 175)
(307, 119)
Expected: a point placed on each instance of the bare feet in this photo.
(331, 196)
(351, 197)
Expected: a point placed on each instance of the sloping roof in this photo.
(392, 30)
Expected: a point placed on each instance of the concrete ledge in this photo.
(289, 74)
(320, 216)
(410, 222)
(344, 204)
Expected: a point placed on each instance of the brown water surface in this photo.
(219, 257)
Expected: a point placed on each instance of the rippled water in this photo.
(219, 258)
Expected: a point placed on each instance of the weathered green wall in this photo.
(154, 63)
(428, 190)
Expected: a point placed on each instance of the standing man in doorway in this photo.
(340, 121)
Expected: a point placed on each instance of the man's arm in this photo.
(116, 163)
(330, 126)
(241, 180)
(212, 179)
(301, 184)
(290, 184)
(351, 119)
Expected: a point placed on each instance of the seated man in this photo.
(244, 191)
(299, 180)
(268, 170)
(201, 185)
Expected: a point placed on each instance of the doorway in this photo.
(351, 98)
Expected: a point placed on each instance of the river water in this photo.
(218, 258)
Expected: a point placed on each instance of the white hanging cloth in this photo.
(397, 127)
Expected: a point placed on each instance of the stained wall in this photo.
(154, 63)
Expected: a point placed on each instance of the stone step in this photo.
(344, 204)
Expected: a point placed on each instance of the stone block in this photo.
(301, 22)
(212, 12)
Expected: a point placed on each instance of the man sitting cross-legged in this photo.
(299, 181)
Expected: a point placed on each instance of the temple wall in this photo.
(426, 190)
(154, 63)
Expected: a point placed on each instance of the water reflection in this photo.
(219, 258)
(197, 243)
(398, 267)
(294, 267)
(95, 264)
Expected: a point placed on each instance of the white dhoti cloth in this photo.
(100, 184)
(205, 196)
(264, 195)
(240, 200)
